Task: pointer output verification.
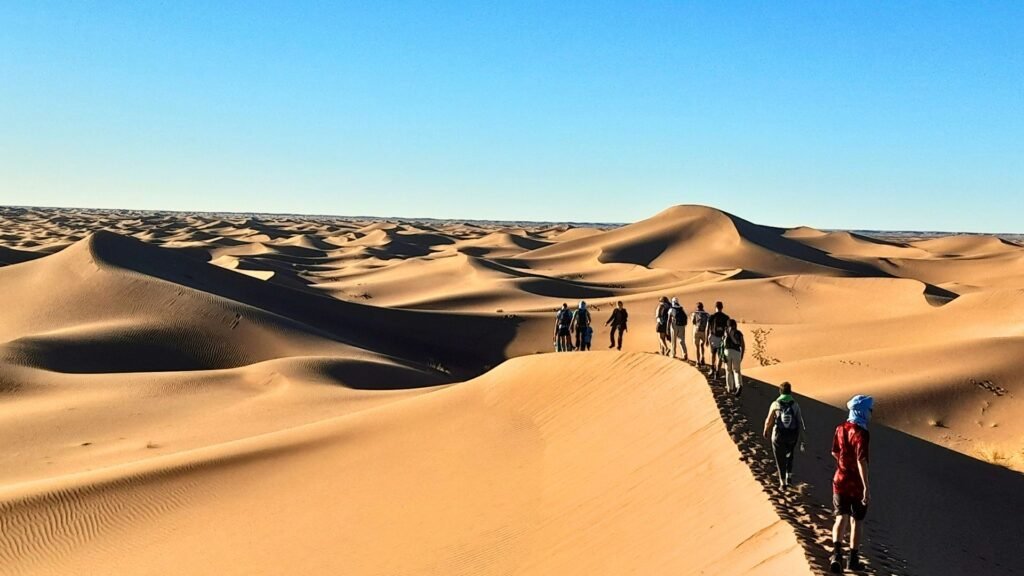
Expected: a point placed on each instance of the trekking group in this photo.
(574, 331)
(784, 425)
(717, 331)
(579, 322)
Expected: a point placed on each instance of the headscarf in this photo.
(583, 305)
(860, 409)
(675, 301)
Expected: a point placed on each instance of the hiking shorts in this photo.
(699, 338)
(716, 342)
(844, 505)
(660, 328)
(563, 331)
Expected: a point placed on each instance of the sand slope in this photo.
(486, 477)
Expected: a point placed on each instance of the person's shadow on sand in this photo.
(933, 511)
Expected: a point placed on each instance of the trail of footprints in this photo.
(810, 520)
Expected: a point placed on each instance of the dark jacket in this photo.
(619, 317)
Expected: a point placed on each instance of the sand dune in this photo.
(263, 389)
(697, 238)
(432, 506)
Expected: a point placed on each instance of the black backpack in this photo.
(700, 320)
(734, 340)
(786, 421)
(563, 318)
(680, 315)
(582, 318)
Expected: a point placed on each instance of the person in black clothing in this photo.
(618, 323)
(580, 323)
(717, 325)
(661, 320)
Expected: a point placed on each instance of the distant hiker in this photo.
(661, 317)
(850, 492)
(618, 324)
(588, 337)
(734, 348)
(580, 323)
(677, 328)
(699, 319)
(563, 337)
(786, 429)
(717, 324)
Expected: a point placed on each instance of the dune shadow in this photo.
(465, 343)
(934, 511)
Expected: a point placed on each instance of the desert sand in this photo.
(225, 394)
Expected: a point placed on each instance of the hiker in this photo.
(786, 429)
(733, 349)
(580, 323)
(677, 328)
(563, 337)
(850, 492)
(618, 323)
(588, 337)
(699, 319)
(661, 317)
(717, 323)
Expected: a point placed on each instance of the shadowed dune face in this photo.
(153, 365)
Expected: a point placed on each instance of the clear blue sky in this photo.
(904, 115)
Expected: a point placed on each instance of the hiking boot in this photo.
(854, 562)
(836, 561)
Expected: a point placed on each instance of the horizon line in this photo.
(1016, 235)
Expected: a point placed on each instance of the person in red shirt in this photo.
(850, 491)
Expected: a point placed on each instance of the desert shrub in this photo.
(760, 352)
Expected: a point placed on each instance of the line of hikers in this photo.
(784, 425)
(716, 330)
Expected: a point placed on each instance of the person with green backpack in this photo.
(786, 427)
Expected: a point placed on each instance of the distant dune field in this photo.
(186, 394)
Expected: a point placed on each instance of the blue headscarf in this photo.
(860, 410)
